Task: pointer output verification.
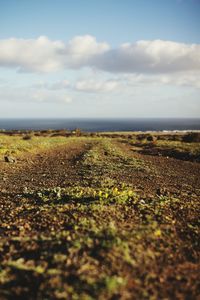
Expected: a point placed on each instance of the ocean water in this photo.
(92, 125)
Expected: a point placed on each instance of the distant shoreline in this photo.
(104, 125)
(100, 133)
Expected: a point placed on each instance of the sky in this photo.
(99, 58)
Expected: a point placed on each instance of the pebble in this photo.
(9, 159)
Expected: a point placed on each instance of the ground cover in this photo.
(91, 218)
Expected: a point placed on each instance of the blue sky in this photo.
(89, 58)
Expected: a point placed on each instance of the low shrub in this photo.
(192, 137)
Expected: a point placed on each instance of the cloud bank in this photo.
(142, 57)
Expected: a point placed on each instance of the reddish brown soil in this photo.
(55, 167)
(62, 167)
(166, 174)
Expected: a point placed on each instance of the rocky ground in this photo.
(99, 218)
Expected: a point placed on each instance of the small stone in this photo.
(142, 202)
(9, 159)
(25, 190)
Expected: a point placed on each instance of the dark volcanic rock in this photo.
(151, 138)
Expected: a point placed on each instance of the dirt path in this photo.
(162, 173)
(50, 168)
(64, 167)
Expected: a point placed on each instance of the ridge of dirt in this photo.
(50, 168)
(166, 173)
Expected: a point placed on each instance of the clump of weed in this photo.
(27, 137)
(192, 137)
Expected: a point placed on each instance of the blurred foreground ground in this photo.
(100, 216)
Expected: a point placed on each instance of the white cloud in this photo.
(89, 85)
(182, 79)
(154, 62)
(57, 85)
(44, 55)
(149, 57)
(46, 96)
(96, 86)
(81, 50)
(40, 55)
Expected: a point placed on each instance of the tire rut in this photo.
(55, 167)
(165, 173)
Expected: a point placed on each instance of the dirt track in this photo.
(63, 167)
(50, 168)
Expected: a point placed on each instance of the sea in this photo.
(102, 125)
